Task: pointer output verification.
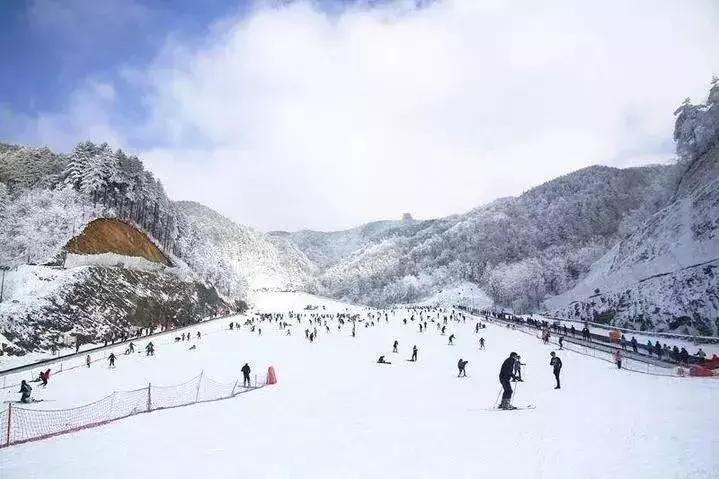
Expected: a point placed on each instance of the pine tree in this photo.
(78, 163)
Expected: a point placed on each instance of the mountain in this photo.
(91, 246)
(237, 258)
(519, 249)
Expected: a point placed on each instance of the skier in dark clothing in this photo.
(394, 346)
(246, 375)
(414, 353)
(111, 358)
(25, 391)
(556, 364)
(634, 344)
(684, 356)
(461, 365)
(506, 373)
(561, 342)
(451, 339)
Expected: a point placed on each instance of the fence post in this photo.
(199, 383)
(149, 397)
(9, 415)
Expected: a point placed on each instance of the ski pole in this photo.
(496, 401)
(516, 391)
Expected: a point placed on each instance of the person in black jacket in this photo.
(556, 364)
(461, 365)
(506, 373)
(25, 390)
(414, 353)
(394, 346)
(246, 375)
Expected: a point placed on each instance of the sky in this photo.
(327, 114)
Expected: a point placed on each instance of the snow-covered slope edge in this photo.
(664, 276)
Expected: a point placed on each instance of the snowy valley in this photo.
(635, 247)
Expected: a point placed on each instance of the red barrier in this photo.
(699, 371)
(271, 377)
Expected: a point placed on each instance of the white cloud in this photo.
(290, 119)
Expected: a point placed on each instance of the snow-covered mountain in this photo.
(236, 258)
(519, 249)
(665, 275)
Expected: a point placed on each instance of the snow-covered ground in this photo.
(335, 413)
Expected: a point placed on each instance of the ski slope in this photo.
(335, 413)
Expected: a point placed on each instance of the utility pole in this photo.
(2, 283)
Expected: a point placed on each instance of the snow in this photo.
(465, 294)
(112, 259)
(336, 413)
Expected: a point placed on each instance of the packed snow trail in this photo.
(336, 413)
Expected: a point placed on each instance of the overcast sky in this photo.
(292, 115)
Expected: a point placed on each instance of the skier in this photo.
(111, 358)
(45, 377)
(199, 335)
(476, 328)
(556, 364)
(461, 366)
(246, 375)
(618, 358)
(232, 325)
(150, 349)
(394, 346)
(25, 391)
(481, 343)
(634, 344)
(623, 342)
(414, 353)
(518, 369)
(505, 374)
(451, 338)
(88, 360)
(561, 342)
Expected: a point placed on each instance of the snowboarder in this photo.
(461, 365)
(414, 353)
(481, 343)
(246, 375)
(505, 374)
(556, 364)
(451, 339)
(381, 360)
(518, 369)
(618, 359)
(25, 391)
(111, 358)
(394, 346)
